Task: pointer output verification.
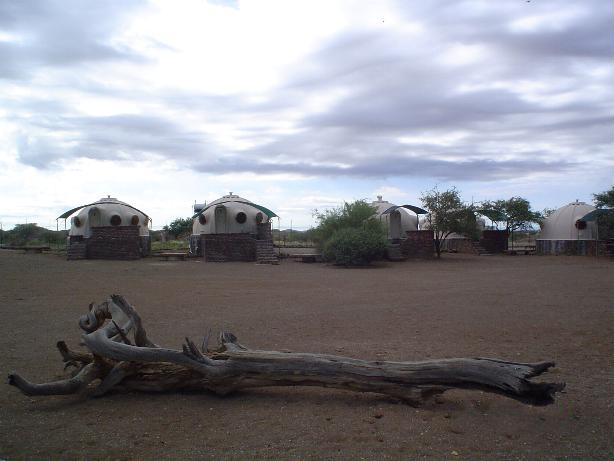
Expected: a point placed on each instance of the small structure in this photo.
(233, 229)
(107, 229)
(567, 231)
(397, 218)
(405, 239)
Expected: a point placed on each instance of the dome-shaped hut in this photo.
(404, 237)
(107, 229)
(566, 232)
(398, 219)
(232, 228)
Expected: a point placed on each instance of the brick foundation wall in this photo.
(494, 241)
(418, 244)
(111, 242)
(571, 247)
(458, 245)
(228, 247)
(263, 231)
(77, 249)
(145, 245)
(196, 248)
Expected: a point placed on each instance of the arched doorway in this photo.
(220, 220)
(94, 219)
(395, 225)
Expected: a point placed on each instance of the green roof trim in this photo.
(595, 214)
(265, 210)
(69, 212)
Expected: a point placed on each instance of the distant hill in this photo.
(291, 235)
(32, 234)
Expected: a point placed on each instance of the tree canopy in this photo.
(179, 227)
(447, 214)
(604, 199)
(514, 213)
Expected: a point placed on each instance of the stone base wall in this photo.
(494, 241)
(196, 248)
(571, 247)
(145, 245)
(263, 231)
(418, 244)
(228, 247)
(111, 242)
(77, 248)
(458, 245)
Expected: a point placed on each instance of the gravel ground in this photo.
(524, 308)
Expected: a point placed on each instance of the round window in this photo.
(241, 217)
(76, 221)
(259, 217)
(135, 220)
(116, 220)
(202, 219)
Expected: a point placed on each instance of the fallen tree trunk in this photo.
(117, 362)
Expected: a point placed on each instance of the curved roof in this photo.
(230, 198)
(595, 214)
(104, 200)
(561, 225)
(413, 208)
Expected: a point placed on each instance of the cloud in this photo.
(122, 137)
(393, 166)
(60, 34)
(526, 87)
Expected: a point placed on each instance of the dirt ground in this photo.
(524, 308)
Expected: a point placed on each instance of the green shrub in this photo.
(350, 235)
(355, 247)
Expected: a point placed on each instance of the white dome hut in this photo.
(232, 228)
(107, 229)
(566, 232)
(397, 218)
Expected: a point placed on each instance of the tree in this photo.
(23, 233)
(350, 235)
(604, 201)
(515, 213)
(179, 227)
(447, 214)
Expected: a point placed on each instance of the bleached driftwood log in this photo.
(122, 357)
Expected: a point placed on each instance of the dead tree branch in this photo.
(142, 365)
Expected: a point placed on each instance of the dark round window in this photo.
(135, 220)
(202, 219)
(241, 217)
(259, 217)
(116, 220)
(580, 224)
(76, 221)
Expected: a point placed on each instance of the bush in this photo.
(354, 247)
(351, 235)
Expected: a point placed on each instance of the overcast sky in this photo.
(301, 105)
